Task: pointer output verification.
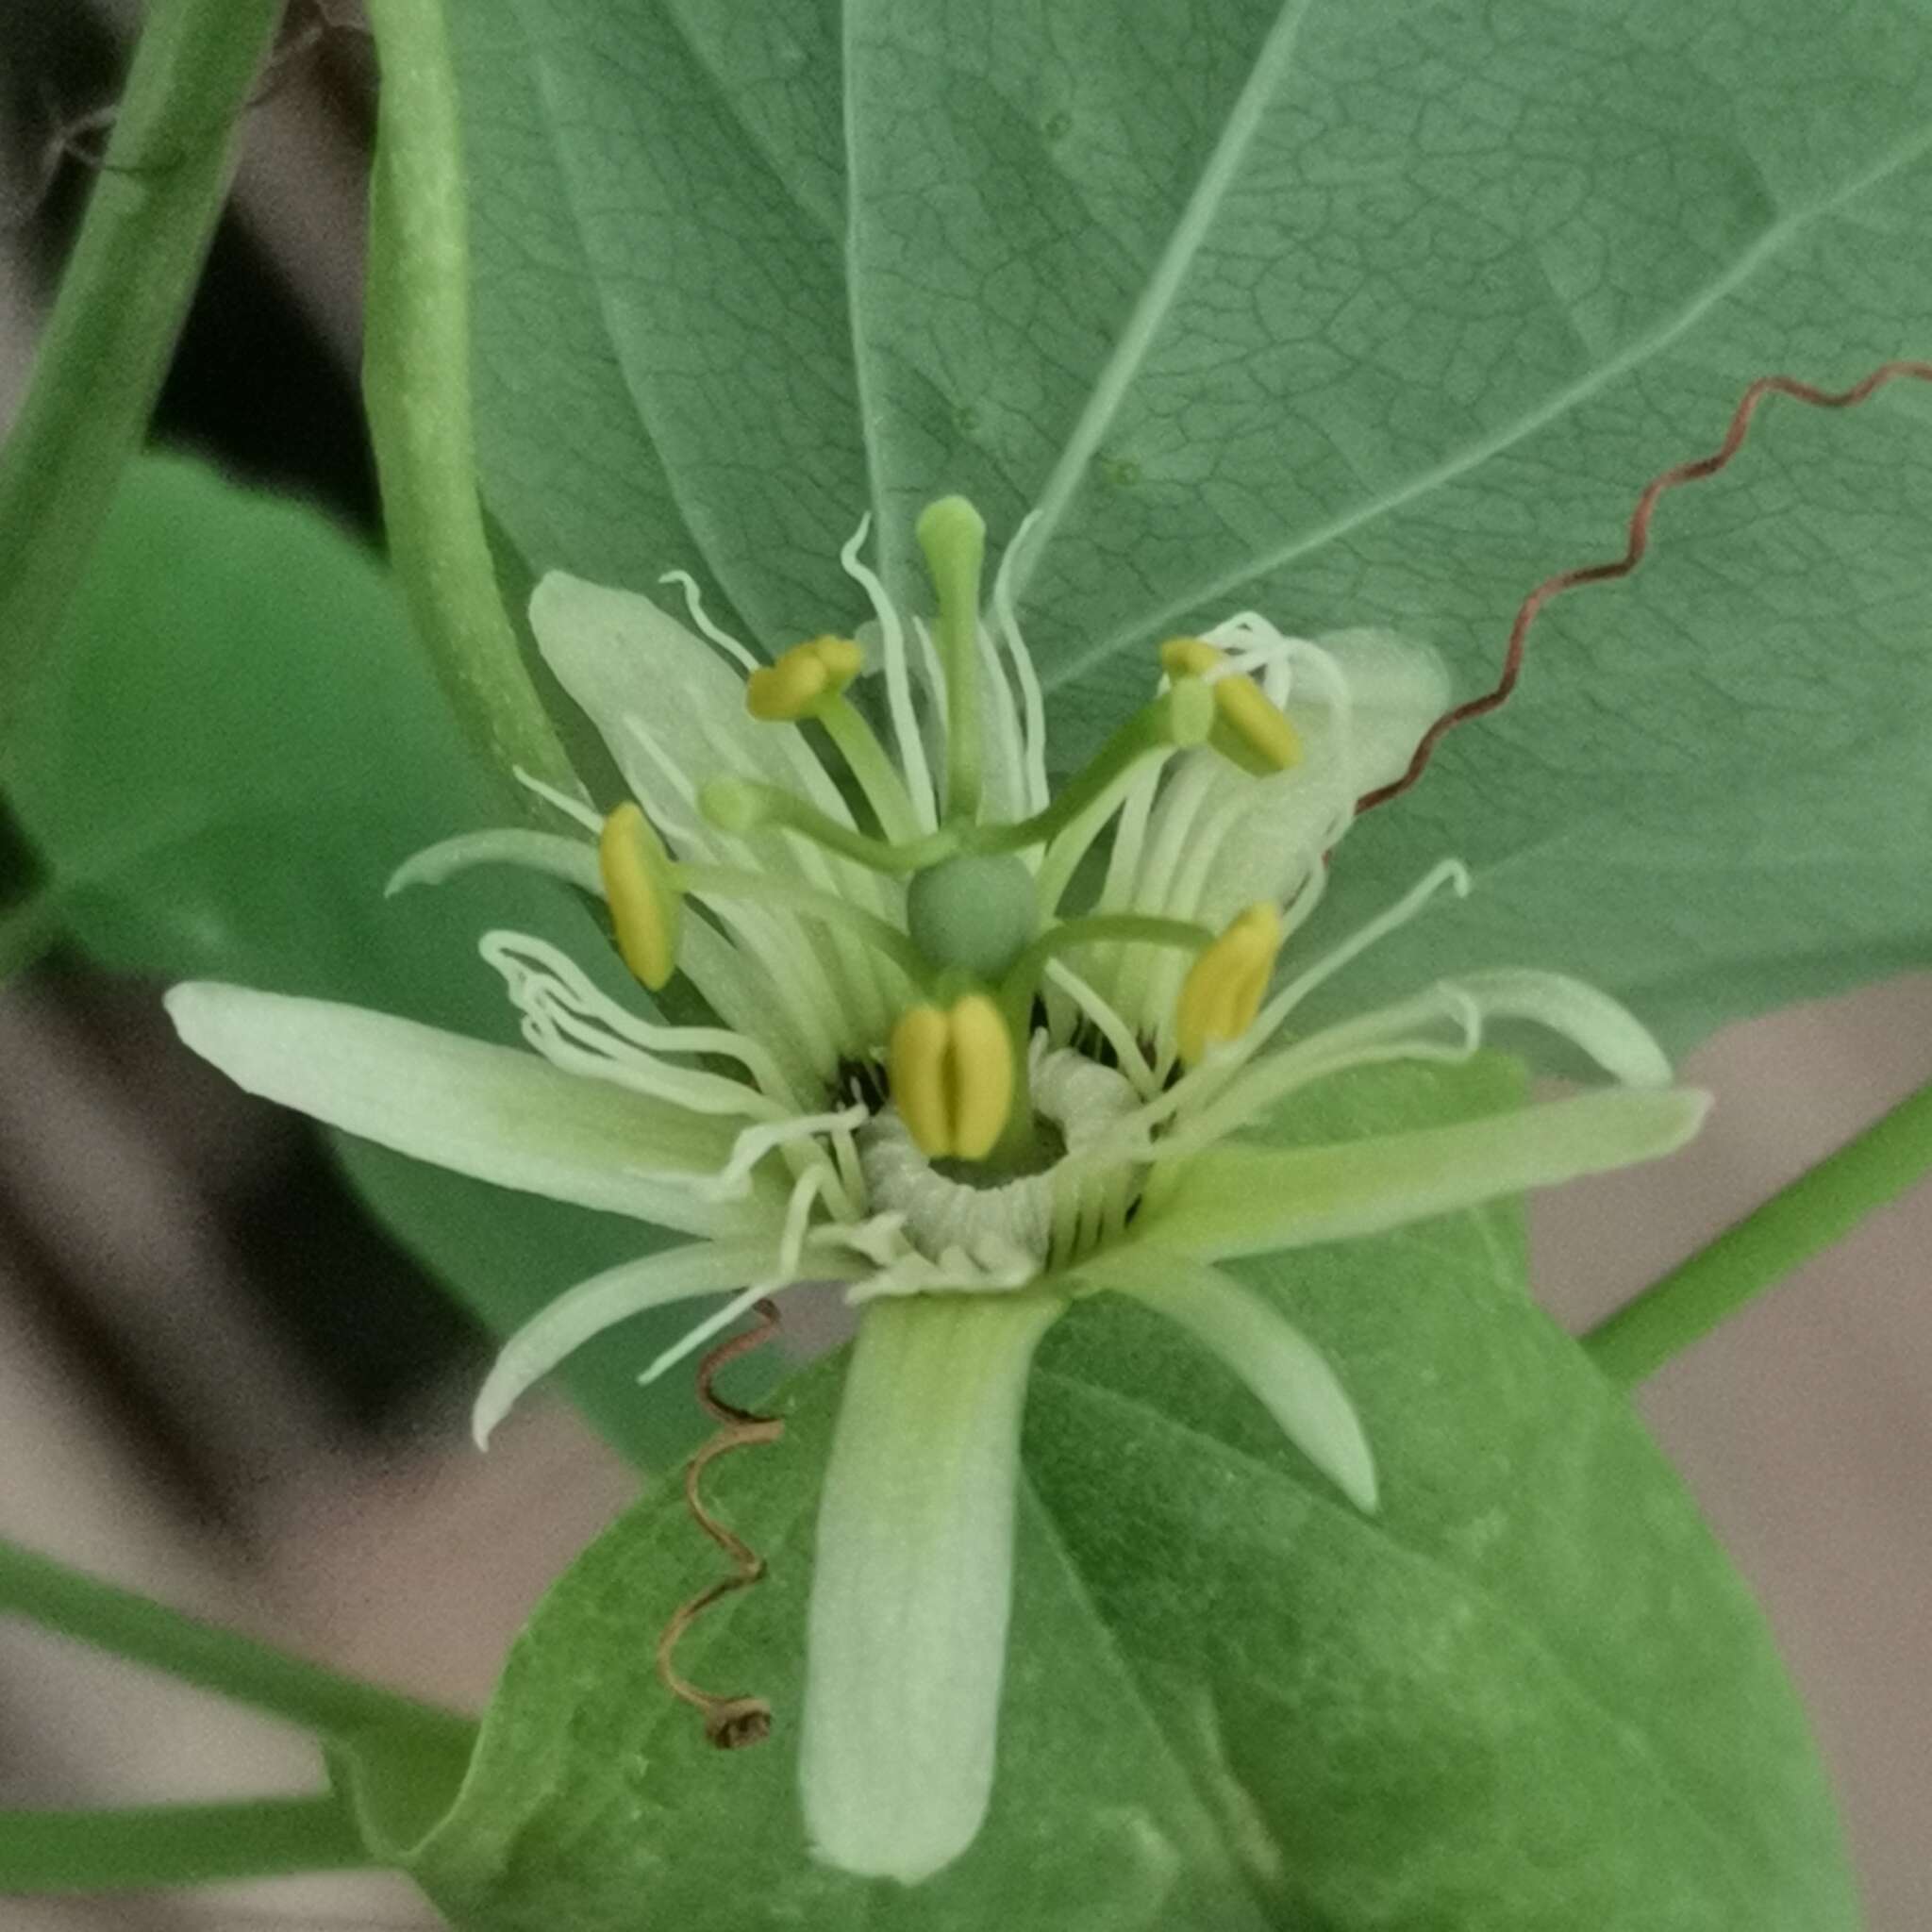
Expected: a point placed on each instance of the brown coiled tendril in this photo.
(1639, 542)
(730, 1722)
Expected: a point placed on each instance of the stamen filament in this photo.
(1096, 928)
(1179, 718)
(1109, 1024)
(578, 808)
(898, 682)
(954, 539)
(1032, 699)
(727, 882)
(742, 806)
(878, 778)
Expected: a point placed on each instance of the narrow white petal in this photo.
(619, 656)
(600, 1302)
(1447, 871)
(1032, 698)
(671, 710)
(779, 1268)
(1397, 691)
(1358, 702)
(1243, 1199)
(1283, 1368)
(912, 1583)
(497, 1112)
(573, 860)
(1608, 1031)
(891, 640)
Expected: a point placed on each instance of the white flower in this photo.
(927, 1080)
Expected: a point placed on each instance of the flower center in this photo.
(1057, 1213)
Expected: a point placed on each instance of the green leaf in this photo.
(234, 743)
(1528, 1692)
(1372, 314)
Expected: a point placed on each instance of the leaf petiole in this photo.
(176, 1844)
(136, 1628)
(154, 206)
(1798, 1222)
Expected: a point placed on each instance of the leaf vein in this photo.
(1768, 245)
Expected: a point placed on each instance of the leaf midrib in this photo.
(1267, 71)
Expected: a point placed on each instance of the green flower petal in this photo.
(585, 1310)
(1448, 1022)
(1605, 1028)
(623, 658)
(659, 694)
(1238, 1199)
(913, 1581)
(1255, 838)
(496, 1112)
(1277, 1362)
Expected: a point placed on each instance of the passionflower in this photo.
(971, 1045)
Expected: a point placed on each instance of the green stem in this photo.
(1796, 1222)
(176, 1844)
(416, 385)
(126, 287)
(224, 1661)
(27, 930)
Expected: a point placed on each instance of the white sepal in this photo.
(1266, 1351)
(1239, 1198)
(913, 1582)
(496, 1112)
(584, 1311)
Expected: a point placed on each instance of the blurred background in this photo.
(222, 1383)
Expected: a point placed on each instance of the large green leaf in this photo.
(234, 743)
(1529, 1694)
(1375, 313)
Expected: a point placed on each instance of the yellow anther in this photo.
(1250, 728)
(803, 678)
(645, 907)
(1225, 987)
(951, 1070)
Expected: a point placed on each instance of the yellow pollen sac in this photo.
(645, 907)
(803, 678)
(1250, 728)
(1225, 987)
(951, 1070)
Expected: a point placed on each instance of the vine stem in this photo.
(242, 1669)
(176, 1844)
(153, 209)
(416, 387)
(1797, 1222)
